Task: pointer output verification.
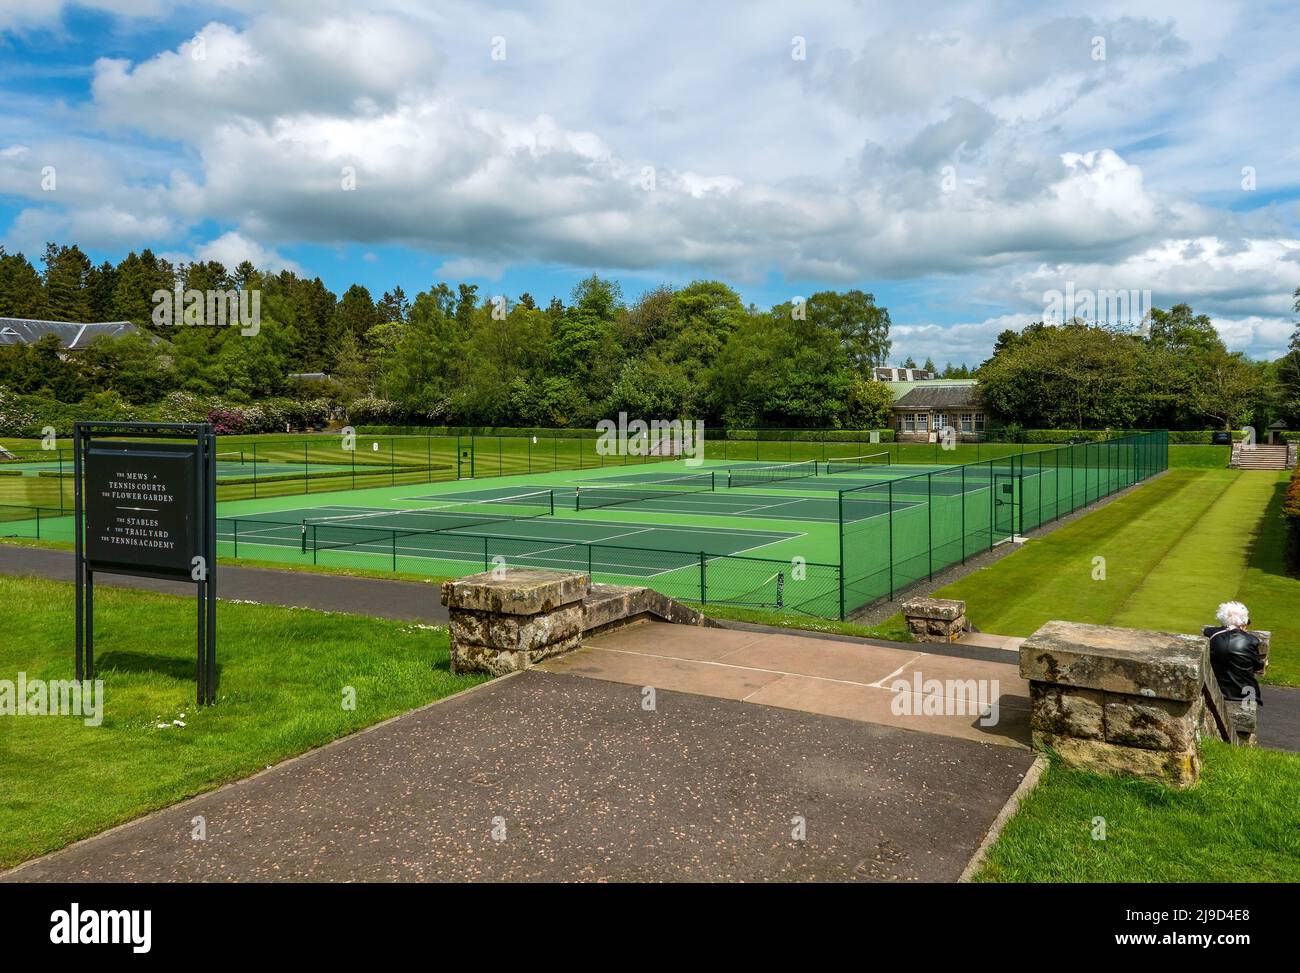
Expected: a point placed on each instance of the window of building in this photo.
(968, 422)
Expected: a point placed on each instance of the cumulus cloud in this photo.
(994, 149)
(232, 248)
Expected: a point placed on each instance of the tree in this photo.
(1288, 376)
(1180, 330)
(862, 326)
(1226, 387)
(67, 271)
(21, 294)
(1071, 376)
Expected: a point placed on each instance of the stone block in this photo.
(467, 658)
(1245, 723)
(515, 591)
(946, 609)
(1151, 724)
(1136, 662)
(1179, 769)
(515, 633)
(1065, 711)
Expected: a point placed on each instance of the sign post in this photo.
(145, 505)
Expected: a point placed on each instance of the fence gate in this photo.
(1006, 501)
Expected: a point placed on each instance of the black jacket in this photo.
(1234, 656)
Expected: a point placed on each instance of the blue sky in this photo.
(961, 164)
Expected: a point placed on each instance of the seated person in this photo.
(1234, 653)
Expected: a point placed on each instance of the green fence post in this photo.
(993, 524)
(38, 521)
(394, 552)
(254, 471)
(929, 519)
(704, 590)
(891, 540)
(963, 515)
(840, 500)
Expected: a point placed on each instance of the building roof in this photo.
(939, 395)
(73, 336)
(887, 374)
(900, 389)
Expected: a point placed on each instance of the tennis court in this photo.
(823, 537)
(455, 533)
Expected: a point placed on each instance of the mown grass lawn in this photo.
(1171, 551)
(1241, 823)
(283, 675)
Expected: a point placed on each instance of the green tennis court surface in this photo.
(784, 535)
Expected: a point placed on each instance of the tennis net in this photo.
(356, 529)
(758, 475)
(855, 464)
(666, 488)
(234, 457)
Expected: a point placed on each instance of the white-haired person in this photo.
(1234, 652)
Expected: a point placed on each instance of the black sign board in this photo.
(146, 507)
(139, 513)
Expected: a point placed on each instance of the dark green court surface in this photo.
(545, 777)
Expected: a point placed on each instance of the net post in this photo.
(551, 497)
(302, 530)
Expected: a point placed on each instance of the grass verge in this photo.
(1241, 823)
(1161, 557)
(283, 676)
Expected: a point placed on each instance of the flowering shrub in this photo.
(369, 408)
(16, 418)
(227, 421)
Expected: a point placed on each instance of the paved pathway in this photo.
(833, 678)
(382, 598)
(581, 782)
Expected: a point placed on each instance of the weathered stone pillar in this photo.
(935, 619)
(1123, 700)
(513, 618)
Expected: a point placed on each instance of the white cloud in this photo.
(1066, 167)
(231, 249)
